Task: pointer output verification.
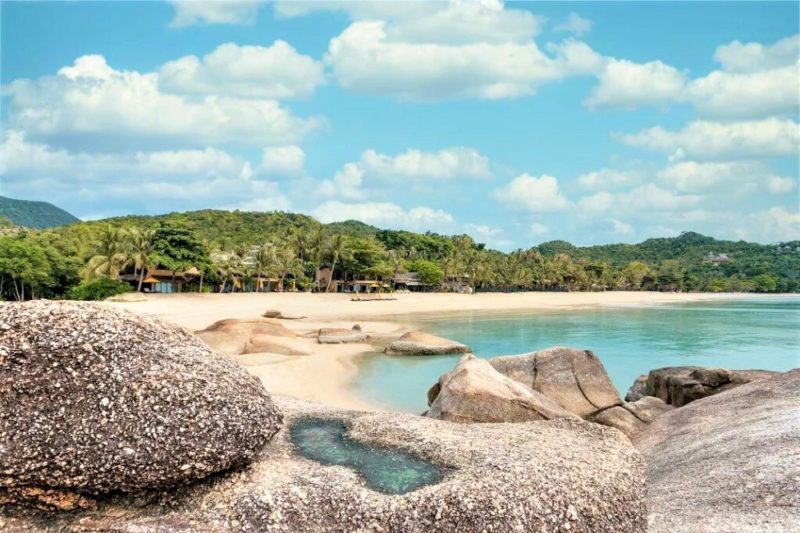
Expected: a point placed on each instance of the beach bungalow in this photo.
(162, 280)
(368, 286)
(322, 278)
(409, 281)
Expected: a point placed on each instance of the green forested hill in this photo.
(34, 214)
(229, 245)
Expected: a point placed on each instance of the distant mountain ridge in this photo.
(33, 214)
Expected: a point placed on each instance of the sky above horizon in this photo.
(515, 123)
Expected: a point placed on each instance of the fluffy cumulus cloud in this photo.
(627, 85)
(205, 12)
(607, 178)
(740, 176)
(386, 215)
(620, 228)
(702, 140)
(537, 195)
(575, 24)
(283, 161)
(274, 72)
(491, 236)
(347, 183)
(434, 50)
(89, 105)
(647, 198)
(81, 180)
(754, 57)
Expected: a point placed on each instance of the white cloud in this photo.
(781, 185)
(538, 229)
(346, 183)
(489, 235)
(607, 178)
(449, 163)
(533, 194)
(91, 106)
(627, 85)
(273, 72)
(575, 24)
(283, 161)
(703, 140)
(204, 12)
(753, 57)
(746, 95)
(643, 199)
(621, 228)
(432, 21)
(385, 215)
(741, 176)
(773, 225)
(195, 178)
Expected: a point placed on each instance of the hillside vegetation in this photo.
(235, 249)
(34, 214)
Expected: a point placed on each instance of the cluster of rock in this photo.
(679, 385)
(418, 343)
(94, 399)
(554, 383)
(340, 335)
(247, 336)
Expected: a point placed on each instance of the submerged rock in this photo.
(475, 392)
(418, 343)
(96, 399)
(542, 476)
(729, 462)
(679, 385)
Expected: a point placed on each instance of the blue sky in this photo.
(517, 123)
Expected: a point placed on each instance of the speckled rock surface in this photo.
(418, 343)
(341, 335)
(729, 462)
(475, 392)
(96, 399)
(242, 336)
(679, 385)
(564, 475)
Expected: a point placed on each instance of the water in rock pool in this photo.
(742, 333)
(385, 470)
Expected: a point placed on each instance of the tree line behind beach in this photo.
(241, 251)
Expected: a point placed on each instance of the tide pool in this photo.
(758, 332)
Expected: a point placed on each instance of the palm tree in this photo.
(141, 246)
(110, 254)
(396, 262)
(263, 260)
(228, 268)
(302, 246)
(286, 263)
(338, 251)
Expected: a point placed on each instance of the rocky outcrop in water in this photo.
(574, 381)
(541, 476)
(475, 392)
(418, 343)
(679, 385)
(729, 462)
(237, 337)
(94, 399)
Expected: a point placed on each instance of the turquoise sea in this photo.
(758, 332)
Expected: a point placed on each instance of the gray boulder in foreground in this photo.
(95, 399)
(679, 385)
(729, 462)
(475, 392)
(418, 343)
(541, 476)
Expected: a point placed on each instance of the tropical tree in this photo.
(338, 250)
(286, 262)
(229, 268)
(110, 254)
(141, 247)
(263, 260)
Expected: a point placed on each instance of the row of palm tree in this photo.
(119, 248)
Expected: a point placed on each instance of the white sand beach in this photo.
(326, 375)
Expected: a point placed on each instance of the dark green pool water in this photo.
(385, 470)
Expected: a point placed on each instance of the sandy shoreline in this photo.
(327, 374)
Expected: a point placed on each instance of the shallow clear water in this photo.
(749, 333)
(385, 470)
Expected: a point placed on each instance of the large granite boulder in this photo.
(575, 379)
(341, 335)
(679, 385)
(418, 343)
(96, 399)
(244, 336)
(632, 417)
(729, 462)
(561, 475)
(475, 392)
